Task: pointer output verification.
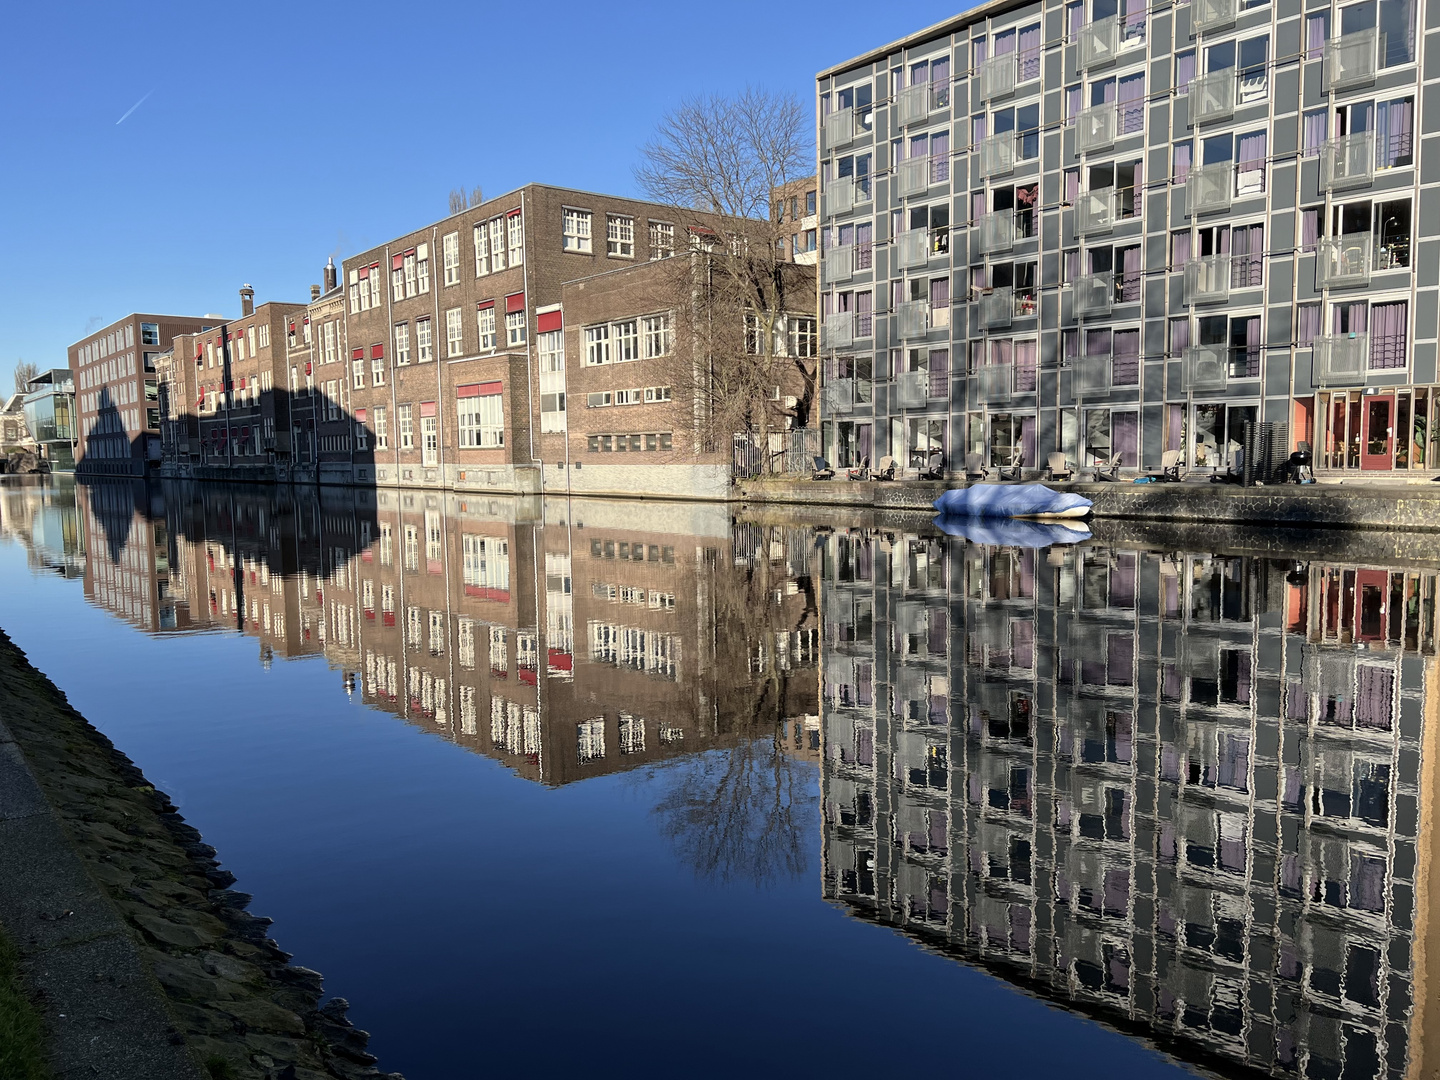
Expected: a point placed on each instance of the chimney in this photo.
(247, 301)
(330, 274)
(314, 293)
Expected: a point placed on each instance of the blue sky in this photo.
(277, 134)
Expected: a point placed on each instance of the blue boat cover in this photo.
(1011, 532)
(1008, 501)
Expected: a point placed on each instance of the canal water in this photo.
(660, 790)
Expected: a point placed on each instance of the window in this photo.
(515, 234)
(402, 343)
(422, 341)
(362, 433)
(662, 240)
(481, 417)
(454, 333)
(801, 336)
(377, 365)
(264, 336)
(620, 236)
(150, 333)
(576, 234)
(482, 251)
(429, 435)
(422, 267)
(1254, 74)
(1396, 22)
(382, 429)
(597, 345)
(810, 204)
(357, 370)
(450, 256)
(658, 335)
(407, 427)
(1184, 70)
(485, 323)
(515, 328)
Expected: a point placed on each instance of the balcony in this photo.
(914, 103)
(839, 396)
(1207, 280)
(997, 308)
(1099, 42)
(997, 232)
(1095, 128)
(914, 176)
(997, 76)
(1094, 293)
(1094, 373)
(997, 383)
(1212, 97)
(1096, 211)
(1343, 261)
(1350, 60)
(1209, 188)
(1340, 359)
(913, 317)
(840, 262)
(914, 248)
(839, 128)
(1348, 161)
(1207, 16)
(914, 388)
(840, 196)
(839, 330)
(997, 154)
(1207, 367)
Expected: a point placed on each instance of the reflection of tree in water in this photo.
(747, 812)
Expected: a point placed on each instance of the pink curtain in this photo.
(1247, 247)
(1030, 53)
(1252, 347)
(1074, 102)
(1072, 185)
(1396, 125)
(1004, 43)
(1181, 159)
(1317, 32)
(1252, 155)
(864, 316)
(1314, 132)
(1387, 335)
(1125, 441)
(1130, 280)
(1351, 318)
(1025, 368)
(1179, 249)
(1132, 103)
(1309, 229)
(939, 157)
(940, 82)
(1179, 339)
(1307, 324)
(939, 373)
(1184, 71)
(1125, 368)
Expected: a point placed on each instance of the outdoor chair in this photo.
(861, 473)
(1170, 462)
(935, 470)
(1017, 462)
(823, 471)
(1057, 468)
(975, 469)
(1109, 471)
(886, 470)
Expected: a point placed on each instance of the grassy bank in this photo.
(22, 1039)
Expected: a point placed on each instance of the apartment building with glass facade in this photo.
(1109, 230)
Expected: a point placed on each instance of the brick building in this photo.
(116, 392)
(797, 209)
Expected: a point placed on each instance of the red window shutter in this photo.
(427, 408)
(292, 327)
(488, 388)
(551, 320)
(357, 354)
(307, 369)
(471, 390)
(514, 302)
(408, 253)
(377, 352)
(242, 382)
(514, 213)
(360, 415)
(484, 304)
(364, 272)
(397, 261)
(374, 266)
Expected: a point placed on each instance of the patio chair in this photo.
(1170, 462)
(975, 469)
(823, 471)
(935, 470)
(886, 471)
(1017, 462)
(1110, 470)
(861, 473)
(1057, 468)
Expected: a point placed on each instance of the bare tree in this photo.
(725, 162)
(459, 201)
(24, 372)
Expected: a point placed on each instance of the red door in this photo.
(1372, 595)
(1377, 440)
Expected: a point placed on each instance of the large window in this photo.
(662, 240)
(620, 236)
(450, 254)
(454, 333)
(485, 323)
(402, 343)
(515, 237)
(497, 243)
(658, 336)
(626, 339)
(576, 235)
(482, 251)
(515, 328)
(430, 436)
(423, 350)
(481, 417)
(150, 334)
(597, 345)
(406, 424)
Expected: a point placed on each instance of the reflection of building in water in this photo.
(44, 519)
(1184, 793)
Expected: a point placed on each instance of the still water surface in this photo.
(644, 789)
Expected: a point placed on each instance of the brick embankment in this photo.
(1350, 506)
(145, 963)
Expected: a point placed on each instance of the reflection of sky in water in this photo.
(629, 920)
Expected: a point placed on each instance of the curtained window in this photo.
(1317, 33)
(1125, 367)
(1307, 324)
(1387, 335)
(1314, 135)
(1180, 169)
(1184, 70)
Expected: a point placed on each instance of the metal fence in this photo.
(789, 453)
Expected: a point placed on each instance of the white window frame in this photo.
(515, 238)
(619, 236)
(405, 425)
(454, 333)
(485, 326)
(382, 428)
(662, 240)
(424, 348)
(429, 440)
(482, 250)
(657, 336)
(576, 234)
(481, 422)
(597, 345)
(515, 326)
(450, 256)
(402, 344)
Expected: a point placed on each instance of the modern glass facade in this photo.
(1106, 230)
(50, 415)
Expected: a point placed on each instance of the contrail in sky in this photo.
(132, 109)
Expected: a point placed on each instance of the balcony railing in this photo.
(1212, 96)
(1350, 60)
(914, 318)
(840, 195)
(1095, 127)
(997, 232)
(1094, 372)
(839, 127)
(1342, 261)
(839, 330)
(997, 308)
(914, 389)
(1210, 15)
(1340, 359)
(1207, 367)
(1099, 42)
(1094, 294)
(1096, 211)
(997, 383)
(1209, 188)
(1207, 279)
(997, 154)
(914, 176)
(1348, 161)
(839, 396)
(997, 76)
(840, 262)
(915, 103)
(914, 248)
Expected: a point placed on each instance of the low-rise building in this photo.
(49, 406)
